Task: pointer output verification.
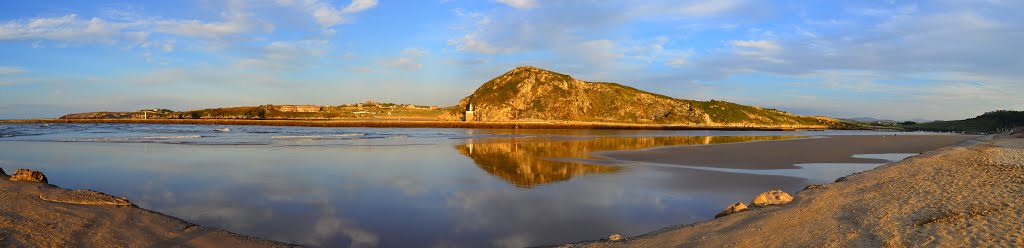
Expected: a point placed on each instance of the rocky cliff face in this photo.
(531, 94)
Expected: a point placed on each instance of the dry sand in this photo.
(968, 195)
(42, 215)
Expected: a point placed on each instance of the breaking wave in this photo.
(138, 138)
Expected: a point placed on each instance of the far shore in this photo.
(427, 123)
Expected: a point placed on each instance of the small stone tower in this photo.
(469, 113)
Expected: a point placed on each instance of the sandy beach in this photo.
(41, 215)
(966, 195)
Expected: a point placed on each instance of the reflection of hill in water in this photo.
(524, 162)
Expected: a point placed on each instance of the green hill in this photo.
(533, 94)
(986, 123)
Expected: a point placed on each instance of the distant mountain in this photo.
(529, 93)
(921, 120)
(875, 120)
(870, 120)
(986, 123)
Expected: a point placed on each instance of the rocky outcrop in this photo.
(732, 209)
(29, 175)
(614, 237)
(532, 94)
(84, 197)
(773, 197)
(3, 175)
(815, 186)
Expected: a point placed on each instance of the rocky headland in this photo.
(528, 93)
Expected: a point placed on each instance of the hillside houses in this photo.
(298, 108)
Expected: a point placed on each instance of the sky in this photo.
(936, 60)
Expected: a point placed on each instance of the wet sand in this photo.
(42, 215)
(785, 153)
(966, 195)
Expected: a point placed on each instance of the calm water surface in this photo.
(367, 187)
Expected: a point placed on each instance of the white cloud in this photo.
(548, 28)
(519, 4)
(10, 70)
(409, 59)
(6, 71)
(408, 64)
(236, 21)
(762, 50)
(597, 52)
(683, 9)
(210, 30)
(757, 44)
(327, 15)
(414, 52)
(473, 43)
(704, 8)
(287, 55)
(359, 6)
(678, 60)
(70, 28)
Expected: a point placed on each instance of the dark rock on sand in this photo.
(773, 197)
(84, 197)
(29, 175)
(814, 186)
(732, 209)
(3, 175)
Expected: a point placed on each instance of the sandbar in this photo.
(784, 154)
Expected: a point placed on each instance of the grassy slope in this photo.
(986, 123)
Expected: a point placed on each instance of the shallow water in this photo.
(399, 187)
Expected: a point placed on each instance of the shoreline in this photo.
(970, 189)
(387, 123)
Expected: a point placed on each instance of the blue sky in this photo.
(886, 59)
